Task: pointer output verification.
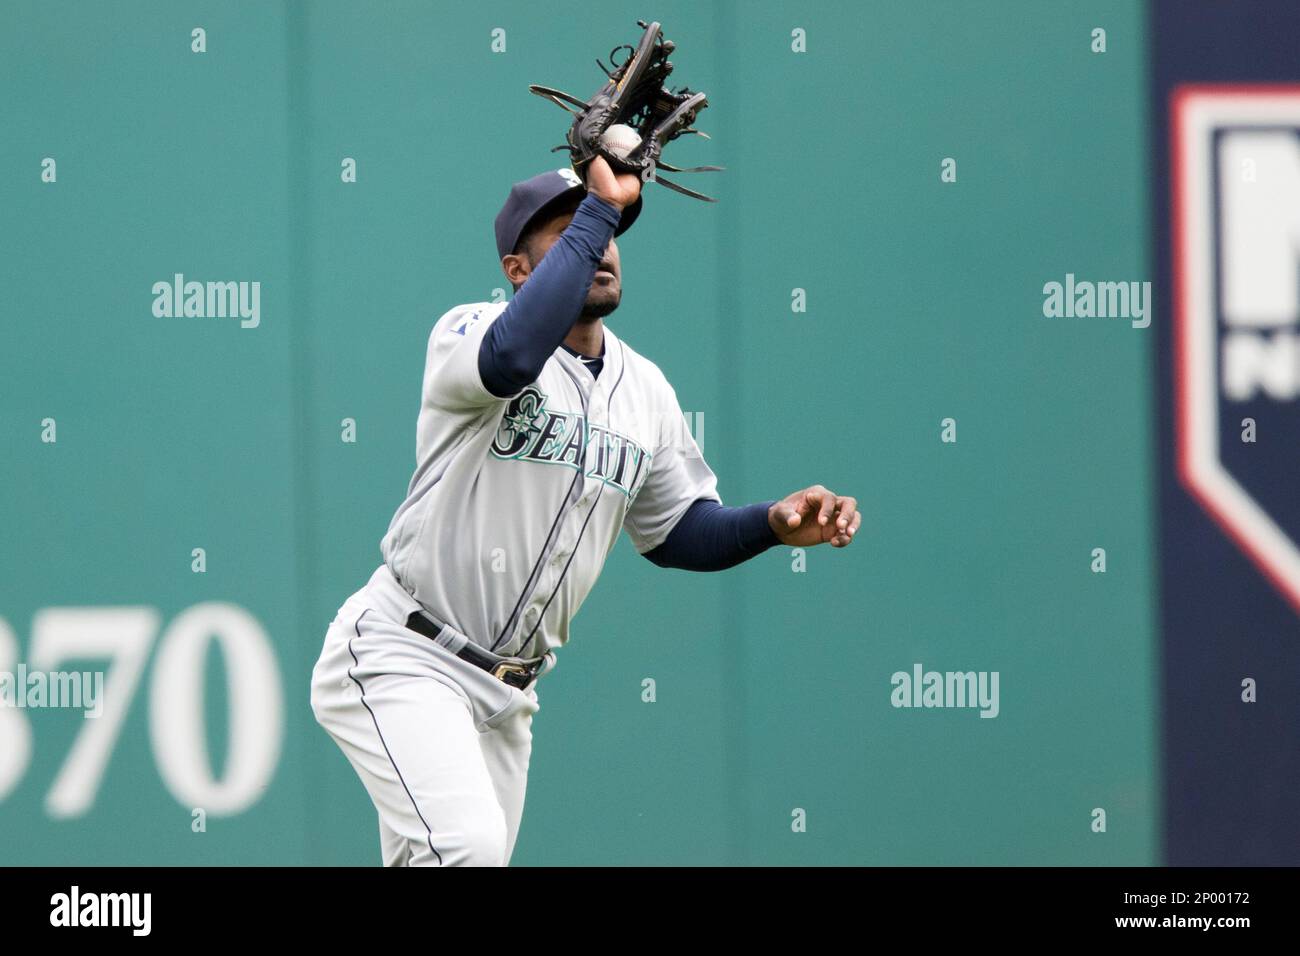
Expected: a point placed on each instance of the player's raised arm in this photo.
(552, 272)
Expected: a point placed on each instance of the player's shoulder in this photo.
(459, 319)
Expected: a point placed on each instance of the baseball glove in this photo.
(635, 96)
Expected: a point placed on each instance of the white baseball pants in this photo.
(441, 745)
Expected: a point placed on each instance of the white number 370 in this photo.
(124, 636)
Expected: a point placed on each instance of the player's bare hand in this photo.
(815, 515)
(618, 189)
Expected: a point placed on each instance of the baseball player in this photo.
(541, 434)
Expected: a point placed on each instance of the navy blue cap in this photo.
(531, 196)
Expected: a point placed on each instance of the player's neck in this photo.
(587, 338)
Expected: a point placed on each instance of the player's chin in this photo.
(601, 301)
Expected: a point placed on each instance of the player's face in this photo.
(607, 286)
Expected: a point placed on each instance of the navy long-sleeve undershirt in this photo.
(541, 313)
(711, 537)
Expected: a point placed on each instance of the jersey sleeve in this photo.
(679, 476)
(451, 370)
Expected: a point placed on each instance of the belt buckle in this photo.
(506, 668)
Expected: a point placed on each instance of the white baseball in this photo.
(620, 140)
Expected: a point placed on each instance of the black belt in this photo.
(510, 671)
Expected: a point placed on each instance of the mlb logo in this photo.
(1236, 270)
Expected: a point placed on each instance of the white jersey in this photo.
(516, 502)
